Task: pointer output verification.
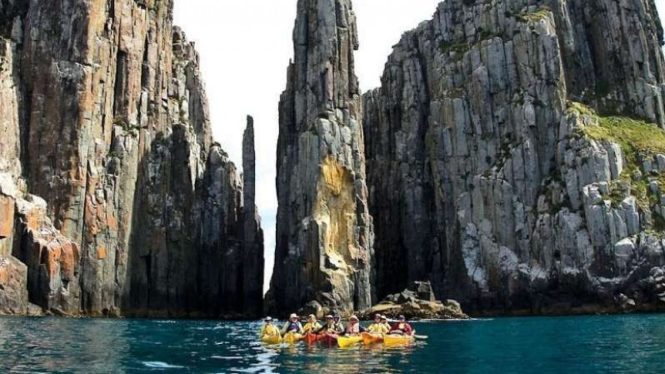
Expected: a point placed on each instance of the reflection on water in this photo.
(52, 346)
(620, 344)
(349, 360)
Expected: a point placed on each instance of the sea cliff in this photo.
(115, 199)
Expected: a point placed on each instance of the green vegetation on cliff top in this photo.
(637, 139)
(631, 134)
(540, 14)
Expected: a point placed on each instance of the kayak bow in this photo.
(398, 339)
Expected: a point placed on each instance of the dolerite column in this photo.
(253, 261)
(324, 231)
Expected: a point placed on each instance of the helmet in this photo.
(268, 319)
(293, 315)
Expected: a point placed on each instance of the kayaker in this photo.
(377, 327)
(402, 327)
(353, 328)
(312, 324)
(292, 325)
(269, 329)
(329, 327)
(385, 324)
(339, 327)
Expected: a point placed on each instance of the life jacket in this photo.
(293, 326)
(377, 328)
(353, 328)
(269, 330)
(328, 328)
(403, 327)
(312, 326)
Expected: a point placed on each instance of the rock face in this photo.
(13, 273)
(106, 120)
(324, 231)
(490, 179)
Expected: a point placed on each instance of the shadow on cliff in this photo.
(185, 257)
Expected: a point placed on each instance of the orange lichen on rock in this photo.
(334, 175)
(101, 253)
(335, 211)
(43, 247)
(6, 216)
(4, 275)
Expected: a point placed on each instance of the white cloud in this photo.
(245, 47)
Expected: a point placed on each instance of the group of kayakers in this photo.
(333, 330)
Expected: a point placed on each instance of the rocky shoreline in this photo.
(417, 302)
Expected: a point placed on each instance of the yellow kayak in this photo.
(371, 338)
(271, 339)
(292, 338)
(347, 341)
(398, 339)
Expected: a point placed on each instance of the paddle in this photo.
(421, 337)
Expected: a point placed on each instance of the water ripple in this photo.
(581, 345)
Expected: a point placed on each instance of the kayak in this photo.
(330, 339)
(271, 339)
(398, 339)
(347, 341)
(311, 338)
(371, 338)
(292, 338)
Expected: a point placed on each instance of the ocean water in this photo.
(576, 345)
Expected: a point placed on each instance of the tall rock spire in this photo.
(324, 231)
(253, 261)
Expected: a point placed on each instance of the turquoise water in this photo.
(606, 344)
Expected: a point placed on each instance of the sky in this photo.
(245, 47)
